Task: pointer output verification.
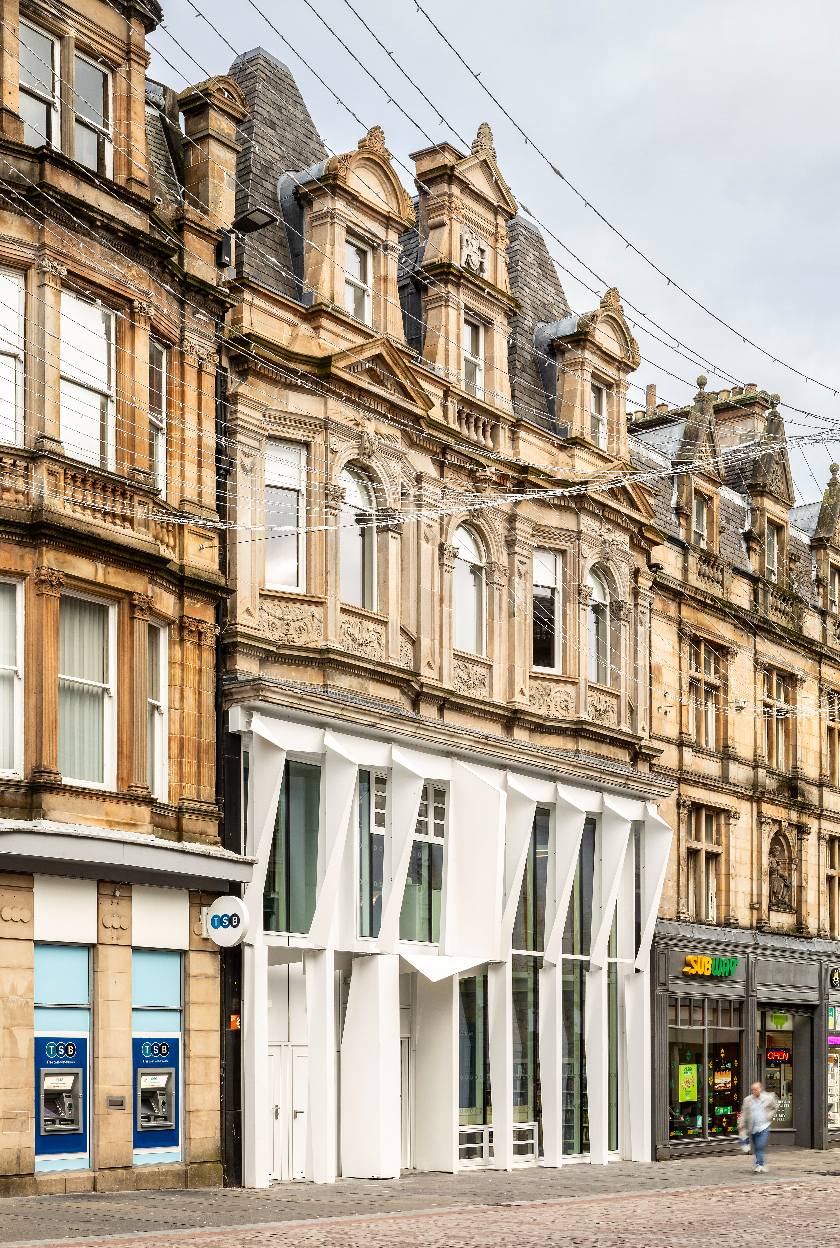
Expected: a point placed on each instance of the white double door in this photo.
(288, 1082)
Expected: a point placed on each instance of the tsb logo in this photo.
(226, 921)
(62, 1048)
(154, 1048)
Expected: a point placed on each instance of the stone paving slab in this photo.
(710, 1201)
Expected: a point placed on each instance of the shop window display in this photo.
(833, 1081)
(704, 1068)
(774, 1039)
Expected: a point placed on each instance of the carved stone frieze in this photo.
(53, 267)
(140, 606)
(447, 554)
(295, 623)
(363, 637)
(406, 652)
(602, 708)
(619, 611)
(48, 581)
(471, 678)
(554, 701)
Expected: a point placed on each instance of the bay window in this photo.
(468, 591)
(373, 805)
(92, 129)
(157, 414)
(473, 358)
(292, 878)
(547, 607)
(420, 914)
(11, 678)
(357, 281)
(87, 381)
(86, 719)
(599, 630)
(357, 544)
(157, 727)
(11, 356)
(39, 65)
(285, 485)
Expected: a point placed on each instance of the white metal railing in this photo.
(475, 1145)
(525, 1136)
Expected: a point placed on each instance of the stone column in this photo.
(112, 1066)
(683, 807)
(189, 695)
(46, 409)
(620, 657)
(729, 820)
(387, 295)
(207, 713)
(140, 604)
(766, 828)
(446, 557)
(333, 500)
(133, 420)
(584, 598)
(389, 532)
(495, 581)
(11, 126)
(43, 632)
(641, 666)
(514, 678)
(188, 434)
(803, 909)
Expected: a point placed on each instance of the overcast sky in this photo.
(706, 132)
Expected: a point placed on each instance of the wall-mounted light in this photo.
(255, 219)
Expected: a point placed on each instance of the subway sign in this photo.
(718, 968)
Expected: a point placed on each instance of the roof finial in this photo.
(483, 142)
(834, 470)
(612, 299)
(374, 141)
(702, 381)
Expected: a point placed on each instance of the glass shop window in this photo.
(774, 1059)
(373, 807)
(292, 876)
(705, 1085)
(577, 935)
(420, 914)
(474, 1102)
(833, 1081)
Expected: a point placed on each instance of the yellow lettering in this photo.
(707, 966)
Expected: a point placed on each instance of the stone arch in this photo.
(781, 870)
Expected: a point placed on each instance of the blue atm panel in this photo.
(157, 1092)
(61, 1118)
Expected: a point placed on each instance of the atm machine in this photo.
(157, 1098)
(61, 1126)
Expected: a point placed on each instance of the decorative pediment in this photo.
(700, 445)
(380, 365)
(607, 328)
(830, 510)
(771, 468)
(368, 173)
(480, 169)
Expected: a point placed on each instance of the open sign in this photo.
(778, 1057)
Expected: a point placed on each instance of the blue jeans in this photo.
(759, 1143)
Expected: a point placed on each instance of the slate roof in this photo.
(667, 439)
(806, 517)
(164, 143)
(277, 136)
(535, 283)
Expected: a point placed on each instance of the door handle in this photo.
(276, 1111)
(299, 1111)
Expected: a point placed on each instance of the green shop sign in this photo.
(719, 968)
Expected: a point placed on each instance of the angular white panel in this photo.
(370, 1071)
(65, 910)
(476, 862)
(160, 917)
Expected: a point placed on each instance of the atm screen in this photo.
(58, 1083)
(153, 1081)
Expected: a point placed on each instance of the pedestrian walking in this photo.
(754, 1121)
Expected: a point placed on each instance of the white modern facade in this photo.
(452, 967)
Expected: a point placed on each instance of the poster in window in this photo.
(723, 1081)
(688, 1083)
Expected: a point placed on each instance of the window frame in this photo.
(355, 284)
(598, 420)
(556, 588)
(775, 712)
(274, 480)
(474, 387)
(160, 788)
(601, 667)
(700, 535)
(705, 692)
(832, 699)
(17, 354)
(430, 789)
(19, 673)
(479, 589)
(772, 568)
(834, 588)
(109, 713)
(158, 422)
(704, 858)
(104, 134)
(367, 536)
(365, 909)
(54, 101)
(109, 395)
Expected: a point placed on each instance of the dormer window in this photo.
(834, 589)
(93, 117)
(598, 417)
(357, 281)
(772, 543)
(473, 361)
(701, 518)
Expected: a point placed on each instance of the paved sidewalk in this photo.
(581, 1205)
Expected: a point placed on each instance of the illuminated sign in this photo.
(834, 976)
(834, 1039)
(720, 968)
(688, 1083)
(778, 1056)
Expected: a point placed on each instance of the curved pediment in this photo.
(369, 174)
(609, 329)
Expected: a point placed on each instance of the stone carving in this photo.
(294, 623)
(612, 299)
(483, 142)
(362, 637)
(140, 606)
(619, 611)
(142, 310)
(374, 141)
(14, 914)
(406, 652)
(781, 875)
(473, 252)
(48, 581)
(471, 678)
(554, 701)
(448, 554)
(53, 267)
(601, 708)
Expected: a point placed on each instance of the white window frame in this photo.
(354, 283)
(369, 586)
(592, 656)
(104, 133)
(701, 512)
(772, 565)
(14, 350)
(431, 838)
(109, 394)
(18, 670)
(291, 477)
(834, 588)
(481, 587)
(160, 788)
(477, 361)
(374, 829)
(158, 422)
(557, 586)
(598, 420)
(109, 714)
(53, 100)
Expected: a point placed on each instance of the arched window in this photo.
(357, 545)
(599, 630)
(468, 592)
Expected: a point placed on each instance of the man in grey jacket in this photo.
(754, 1121)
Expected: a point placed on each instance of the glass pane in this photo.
(355, 301)
(283, 465)
(281, 537)
(637, 886)
(351, 541)
(470, 376)
(356, 263)
(37, 119)
(91, 94)
(421, 828)
(575, 1100)
(8, 399)
(439, 812)
(8, 624)
(82, 639)
(157, 364)
(154, 663)
(416, 906)
(545, 568)
(81, 707)
(7, 720)
(87, 147)
(725, 1093)
(598, 669)
(685, 1079)
(157, 456)
(526, 1069)
(777, 1051)
(834, 1088)
(469, 547)
(151, 747)
(529, 924)
(371, 856)
(544, 627)
(85, 343)
(577, 932)
(291, 880)
(466, 592)
(36, 61)
(472, 338)
(474, 1103)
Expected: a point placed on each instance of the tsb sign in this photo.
(226, 921)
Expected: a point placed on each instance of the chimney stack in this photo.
(650, 400)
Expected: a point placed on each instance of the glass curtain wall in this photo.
(528, 944)
(292, 876)
(705, 1088)
(372, 809)
(420, 914)
(474, 1100)
(577, 936)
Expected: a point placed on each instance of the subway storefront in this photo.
(730, 1007)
